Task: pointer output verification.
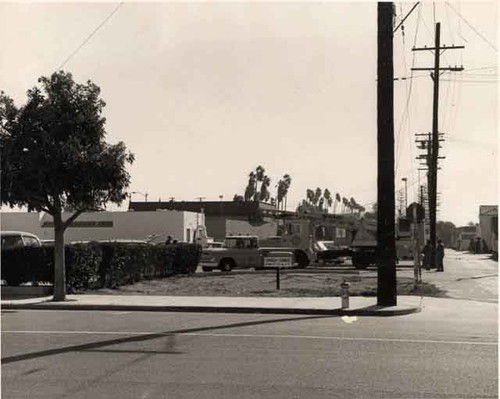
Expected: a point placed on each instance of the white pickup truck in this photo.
(243, 251)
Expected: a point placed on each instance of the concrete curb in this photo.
(366, 311)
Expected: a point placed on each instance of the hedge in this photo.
(100, 265)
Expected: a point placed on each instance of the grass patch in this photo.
(264, 284)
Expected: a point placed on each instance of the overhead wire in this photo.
(90, 35)
(472, 27)
(408, 98)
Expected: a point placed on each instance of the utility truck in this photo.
(299, 236)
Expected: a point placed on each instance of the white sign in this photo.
(277, 261)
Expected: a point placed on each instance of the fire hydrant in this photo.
(345, 294)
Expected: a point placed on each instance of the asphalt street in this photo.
(449, 350)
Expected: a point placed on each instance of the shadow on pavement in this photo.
(140, 338)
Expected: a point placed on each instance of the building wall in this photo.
(23, 221)
(191, 220)
(107, 225)
(489, 231)
(216, 227)
(242, 226)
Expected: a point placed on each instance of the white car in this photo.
(15, 239)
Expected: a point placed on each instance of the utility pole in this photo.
(386, 246)
(434, 147)
(406, 193)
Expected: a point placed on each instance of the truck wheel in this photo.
(226, 265)
(301, 258)
(207, 269)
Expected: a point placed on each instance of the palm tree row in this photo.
(322, 201)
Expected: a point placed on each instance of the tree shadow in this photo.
(96, 346)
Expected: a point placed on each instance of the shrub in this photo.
(96, 265)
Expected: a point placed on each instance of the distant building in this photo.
(466, 237)
(108, 225)
(488, 228)
(223, 218)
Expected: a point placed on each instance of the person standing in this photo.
(427, 252)
(440, 256)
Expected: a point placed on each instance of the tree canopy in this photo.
(54, 156)
(53, 152)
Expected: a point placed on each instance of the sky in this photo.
(203, 93)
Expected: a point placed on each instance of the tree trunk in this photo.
(59, 264)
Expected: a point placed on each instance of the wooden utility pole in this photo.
(434, 147)
(386, 246)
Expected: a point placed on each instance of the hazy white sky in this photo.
(202, 93)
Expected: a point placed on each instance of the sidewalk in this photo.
(359, 306)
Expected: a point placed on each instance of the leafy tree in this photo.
(447, 232)
(54, 156)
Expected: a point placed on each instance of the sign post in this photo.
(416, 213)
(278, 260)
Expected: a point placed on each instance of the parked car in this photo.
(15, 239)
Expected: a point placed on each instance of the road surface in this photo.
(447, 351)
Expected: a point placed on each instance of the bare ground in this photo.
(263, 283)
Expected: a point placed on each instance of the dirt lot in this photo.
(308, 283)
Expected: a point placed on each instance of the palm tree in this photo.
(345, 202)
(251, 187)
(264, 189)
(328, 198)
(287, 181)
(352, 204)
(317, 196)
(259, 177)
(309, 195)
(283, 186)
(337, 201)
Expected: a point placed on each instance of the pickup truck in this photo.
(242, 252)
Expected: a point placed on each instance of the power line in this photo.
(471, 80)
(90, 36)
(408, 95)
(470, 26)
(483, 68)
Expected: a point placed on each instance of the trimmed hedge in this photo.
(100, 265)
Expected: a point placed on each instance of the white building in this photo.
(488, 227)
(108, 225)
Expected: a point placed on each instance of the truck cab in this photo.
(239, 251)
